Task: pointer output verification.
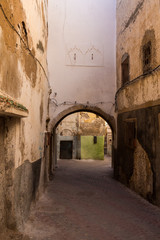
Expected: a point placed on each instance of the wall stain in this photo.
(40, 46)
(149, 36)
(22, 139)
(41, 110)
(10, 43)
(134, 15)
(10, 81)
(142, 178)
(31, 67)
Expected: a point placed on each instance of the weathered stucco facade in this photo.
(138, 96)
(71, 129)
(23, 106)
(82, 123)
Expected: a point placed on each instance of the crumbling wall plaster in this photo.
(82, 123)
(92, 125)
(134, 34)
(145, 92)
(37, 12)
(24, 69)
(9, 156)
(23, 79)
(142, 178)
(137, 166)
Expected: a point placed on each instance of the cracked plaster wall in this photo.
(23, 78)
(142, 178)
(136, 24)
(138, 167)
(83, 123)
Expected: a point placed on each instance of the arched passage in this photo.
(78, 108)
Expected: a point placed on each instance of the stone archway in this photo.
(78, 108)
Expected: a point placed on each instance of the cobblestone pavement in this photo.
(83, 202)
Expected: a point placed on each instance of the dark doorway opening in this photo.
(125, 69)
(66, 148)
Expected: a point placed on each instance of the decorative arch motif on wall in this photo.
(66, 132)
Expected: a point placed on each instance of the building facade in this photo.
(83, 135)
(138, 97)
(23, 106)
(82, 61)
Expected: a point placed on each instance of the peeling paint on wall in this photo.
(40, 46)
(23, 75)
(31, 68)
(134, 15)
(12, 17)
(142, 178)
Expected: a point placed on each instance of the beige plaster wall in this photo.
(137, 23)
(23, 105)
(23, 71)
(83, 123)
(134, 18)
(82, 28)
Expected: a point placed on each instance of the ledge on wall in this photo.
(12, 112)
(9, 107)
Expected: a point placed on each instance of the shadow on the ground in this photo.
(12, 235)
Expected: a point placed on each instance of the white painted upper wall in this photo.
(81, 52)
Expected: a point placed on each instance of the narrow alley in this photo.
(79, 81)
(84, 202)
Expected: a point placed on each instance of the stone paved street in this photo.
(83, 202)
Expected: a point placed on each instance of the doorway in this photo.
(66, 148)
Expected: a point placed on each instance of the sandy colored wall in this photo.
(83, 123)
(138, 101)
(22, 78)
(23, 102)
(91, 125)
(136, 24)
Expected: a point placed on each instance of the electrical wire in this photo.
(135, 80)
(22, 40)
(54, 101)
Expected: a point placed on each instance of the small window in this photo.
(130, 133)
(147, 54)
(125, 68)
(95, 139)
